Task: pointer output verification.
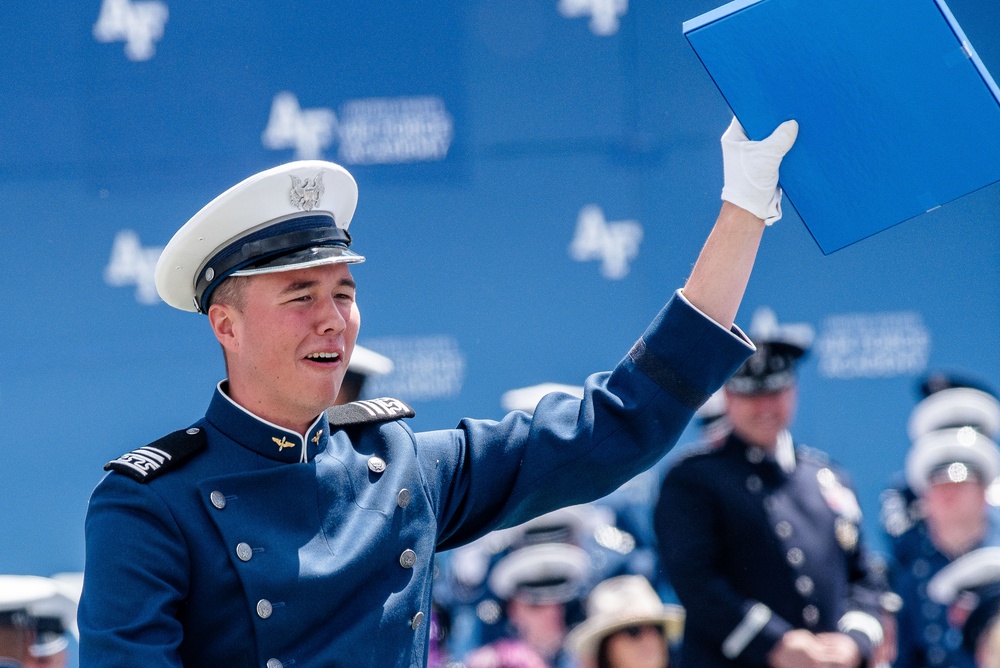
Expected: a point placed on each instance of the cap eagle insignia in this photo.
(306, 193)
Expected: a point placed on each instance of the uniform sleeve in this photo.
(867, 582)
(489, 475)
(134, 581)
(691, 550)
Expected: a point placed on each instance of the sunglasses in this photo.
(636, 630)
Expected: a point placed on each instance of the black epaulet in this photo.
(166, 454)
(368, 411)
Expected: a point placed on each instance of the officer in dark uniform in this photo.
(761, 538)
(274, 532)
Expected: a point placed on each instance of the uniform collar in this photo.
(783, 456)
(261, 436)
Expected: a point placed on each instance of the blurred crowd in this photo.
(748, 550)
(745, 550)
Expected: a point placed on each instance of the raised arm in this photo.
(752, 200)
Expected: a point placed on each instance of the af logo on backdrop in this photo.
(604, 14)
(131, 263)
(371, 131)
(614, 244)
(138, 23)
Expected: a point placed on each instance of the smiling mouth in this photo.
(323, 358)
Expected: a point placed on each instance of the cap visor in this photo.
(303, 259)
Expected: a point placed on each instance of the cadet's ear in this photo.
(222, 317)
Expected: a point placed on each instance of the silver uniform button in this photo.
(417, 621)
(754, 483)
(403, 498)
(795, 557)
(264, 608)
(804, 585)
(755, 455)
(783, 529)
(376, 464)
(218, 499)
(810, 614)
(193, 430)
(408, 558)
(244, 552)
(273, 663)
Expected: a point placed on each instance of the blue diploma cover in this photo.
(897, 114)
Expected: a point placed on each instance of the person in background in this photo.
(945, 399)
(627, 626)
(970, 587)
(761, 538)
(36, 614)
(949, 470)
(16, 633)
(540, 585)
(51, 646)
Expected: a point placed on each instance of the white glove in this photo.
(751, 169)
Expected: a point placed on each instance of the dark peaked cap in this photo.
(772, 367)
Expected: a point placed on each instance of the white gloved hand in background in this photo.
(751, 169)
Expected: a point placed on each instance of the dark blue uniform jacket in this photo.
(754, 551)
(264, 548)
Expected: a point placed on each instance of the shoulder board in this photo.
(168, 453)
(698, 450)
(368, 411)
(813, 455)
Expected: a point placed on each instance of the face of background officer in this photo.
(956, 515)
(641, 646)
(14, 643)
(759, 418)
(541, 625)
(273, 342)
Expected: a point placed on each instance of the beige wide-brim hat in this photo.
(620, 602)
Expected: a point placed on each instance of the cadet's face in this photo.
(759, 418)
(289, 345)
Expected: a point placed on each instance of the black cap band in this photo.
(263, 246)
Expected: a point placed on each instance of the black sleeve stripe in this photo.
(667, 377)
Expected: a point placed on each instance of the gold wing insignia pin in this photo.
(282, 443)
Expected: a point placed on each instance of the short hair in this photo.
(230, 292)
